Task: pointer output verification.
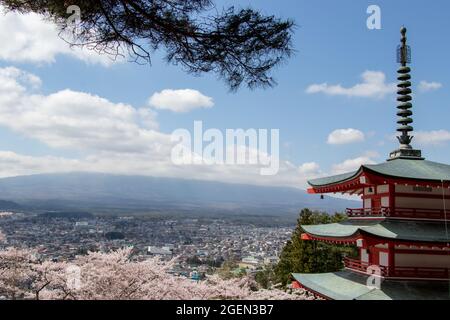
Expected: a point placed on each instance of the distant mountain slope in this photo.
(9, 205)
(138, 192)
(65, 214)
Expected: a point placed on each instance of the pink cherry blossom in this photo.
(116, 276)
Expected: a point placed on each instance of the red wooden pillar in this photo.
(392, 199)
(391, 257)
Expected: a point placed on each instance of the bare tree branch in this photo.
(239, 45)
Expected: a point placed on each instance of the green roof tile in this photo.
(342, 285)
(413, 169)
(333, 179)
(399, 230)
(399, 168)
(347, 285)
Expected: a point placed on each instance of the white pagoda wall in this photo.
(382, 189)
(364, 255)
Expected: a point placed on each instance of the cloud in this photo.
(425, 86)
(108, 137)
(21, 76)
(373, 85)
(180, 100)
(14, 164)
(436, 137)
(29, 38)
(71, 119)
(309, 168)
(345, 136)
(354, 164)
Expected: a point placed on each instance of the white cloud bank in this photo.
(425, 86)
(309, 168)
(373, 85)
(109, 138)
(180, 100)
(345, 136)
(70, 119)
(435, 137)
(354, 164)
(29, 38)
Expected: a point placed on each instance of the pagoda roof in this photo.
(348, 285)
(388, 229)
(398, 168)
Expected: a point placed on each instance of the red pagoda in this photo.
(401, 231)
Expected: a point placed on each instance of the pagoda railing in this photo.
(421, 272)
(361, 266)
(368, 212)
(405, 213)
(399, 272)
(419, 213)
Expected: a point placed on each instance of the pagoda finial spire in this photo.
(404, 103)
(404, 93)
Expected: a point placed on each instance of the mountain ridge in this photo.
(133, 192)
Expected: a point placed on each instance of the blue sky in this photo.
(334, 48)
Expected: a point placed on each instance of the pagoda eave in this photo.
(347, 240)
(419, 234)
(371, 240)
(366, 177)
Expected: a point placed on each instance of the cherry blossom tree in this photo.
(48, 281)
(116, 276)
(15, 272)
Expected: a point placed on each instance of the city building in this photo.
(82, 225)
(250, 263)
(401, 231)
(164, 252)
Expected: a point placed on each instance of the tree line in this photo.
(300, 256)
